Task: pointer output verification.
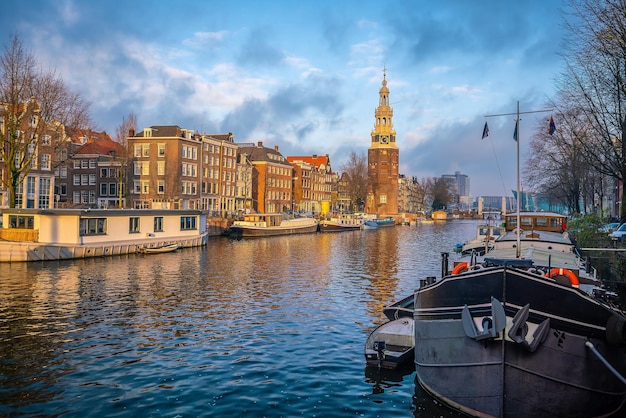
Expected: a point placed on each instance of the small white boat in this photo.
(392, 344)
(157, 250)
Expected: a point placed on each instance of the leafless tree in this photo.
(33, 102)
(356, 170)
(593, 87)
(122, 132)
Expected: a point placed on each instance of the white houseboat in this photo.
(58, 234)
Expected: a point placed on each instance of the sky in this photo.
(305, 75)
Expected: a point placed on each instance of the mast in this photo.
(517, 137)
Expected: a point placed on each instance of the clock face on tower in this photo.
(384, 139)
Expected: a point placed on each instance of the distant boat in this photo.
(340, 224)
(391, 345)
(382, 222)
(484, 240)
(156, 250)
(370, 225)
(271, 224)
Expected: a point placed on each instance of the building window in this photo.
(84, 179)
(63, 172)
(137, 150)
(84, 163)
(92, 179)
(161, 187)
(103, 173)
(93, 226)
(133, 225)
(145, 187)
(145, 149)
(45, 161)
(103, 189)
(161, 150)
(158, 224)
(187, 223)
(161, 168)
(22, 222)
(93, 163)
(112, 189)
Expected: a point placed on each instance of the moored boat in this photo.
(382, 222)
(483, 241)
(370, 225)
(160, 249)
(391, 344)
(525, 330)
(340, 224)
(271, 224)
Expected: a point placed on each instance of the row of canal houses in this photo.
(169, 167)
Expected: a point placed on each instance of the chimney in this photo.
(260, 144)
(131, 132)
(276, 148)
(315, 156)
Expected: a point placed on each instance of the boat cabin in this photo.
(536, 221)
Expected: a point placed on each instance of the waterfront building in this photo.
(243, 193)
(313, 183)
(272, 177)
(410, 195)
(344, 203)
(383, 159)
(218, 187)
(177, 168)
(91, 175)
(32, 151)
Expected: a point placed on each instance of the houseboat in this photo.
(59, 234)
(271, 224)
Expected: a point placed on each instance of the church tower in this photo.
(383, 158)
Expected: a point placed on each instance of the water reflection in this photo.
(252, 327)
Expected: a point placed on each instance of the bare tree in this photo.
(33, 104)
(122, 132)
(356, 169)
(594, 85)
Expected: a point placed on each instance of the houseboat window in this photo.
(556, 222)
(541, 222)
(93, 226)
(23, 222)
(158, 224)
(527, 222)
(511, 221)
(133, 226)
(187, 223)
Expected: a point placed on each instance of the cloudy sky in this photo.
(304, 75)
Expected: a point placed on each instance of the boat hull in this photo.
(336, 227)
(501, 377)
(252, 232)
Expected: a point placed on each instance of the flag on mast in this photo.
(552, 127)
(515, 132)
(485, 131)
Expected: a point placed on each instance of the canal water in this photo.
(269, 327)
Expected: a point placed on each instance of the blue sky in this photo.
(304, 75)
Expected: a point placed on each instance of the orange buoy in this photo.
(462, 266)
(564, 272)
